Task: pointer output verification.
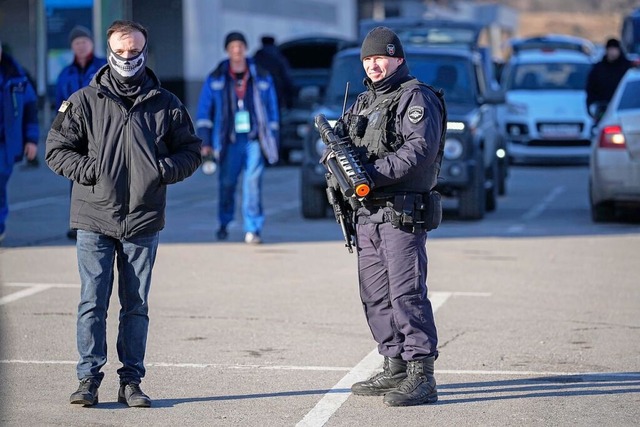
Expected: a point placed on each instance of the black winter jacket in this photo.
(120, 160)
(604, 78)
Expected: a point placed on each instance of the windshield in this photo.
(630, 99)
(438, 36)
(550, 76)
(452, 74)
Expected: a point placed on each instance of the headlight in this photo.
(455, 126)
(517, 109)
(320, 146)
(453, 149)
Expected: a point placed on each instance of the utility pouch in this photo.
(433, 212)
(357, 126)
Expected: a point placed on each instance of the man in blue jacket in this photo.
(79, 73)
(18, 125)
(238, 123)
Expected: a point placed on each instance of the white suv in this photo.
(545, 117)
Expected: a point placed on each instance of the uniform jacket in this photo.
(410, 167)
(214, 120)
(72, 78)
(20, 109)
(604, 78)
(122, 160)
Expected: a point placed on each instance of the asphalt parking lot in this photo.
(536, 307)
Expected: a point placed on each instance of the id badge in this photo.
(242, 121)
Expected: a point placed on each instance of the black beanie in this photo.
(381, 41)
(79, 31)
(234, 36)
(613, 43)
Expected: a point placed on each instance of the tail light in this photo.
(612, 137)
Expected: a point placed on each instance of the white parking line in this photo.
(332, 401)
(34, 289)
(584, 375)
(537, 209)
(43, 201)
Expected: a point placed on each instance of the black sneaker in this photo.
(132, 395)
(222, 233)
(87, 393)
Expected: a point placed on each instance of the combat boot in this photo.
(393, 373)
(418, 388)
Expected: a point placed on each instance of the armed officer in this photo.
(398, 126)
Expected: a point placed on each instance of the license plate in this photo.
(560, 131)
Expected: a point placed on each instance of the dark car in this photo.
(470, 165)
(310, 62)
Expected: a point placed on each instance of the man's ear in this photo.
(400, 61)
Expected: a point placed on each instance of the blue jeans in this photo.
(242, 155)
(135, 258)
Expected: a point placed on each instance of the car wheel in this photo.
(314, 200)
(472, 199)
(503, 171)
(603, 212)
(491, 202)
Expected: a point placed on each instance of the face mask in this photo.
(127, 70)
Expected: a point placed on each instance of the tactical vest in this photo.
(380, 138)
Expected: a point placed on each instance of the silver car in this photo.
(614, 176)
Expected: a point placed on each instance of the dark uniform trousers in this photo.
(392, 269)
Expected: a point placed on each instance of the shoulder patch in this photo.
(415, 113)
(64, 106)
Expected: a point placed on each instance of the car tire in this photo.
(603, 212)
(491, 193)
(314, 200)
(471, 201)
(503, 172)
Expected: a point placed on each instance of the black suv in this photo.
(469, 171)
(310, 61)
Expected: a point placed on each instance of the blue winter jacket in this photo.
(213, 120)
(72, 78)
(20, 109)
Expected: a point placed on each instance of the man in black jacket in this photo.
(121, 140)
(605, 76)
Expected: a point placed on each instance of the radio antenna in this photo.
(344, 103)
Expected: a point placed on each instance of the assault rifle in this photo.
(347, 180)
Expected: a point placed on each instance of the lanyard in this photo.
(240, 86)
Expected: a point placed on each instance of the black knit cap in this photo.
(79, 31)
(234, 36)
(381, 41)
(613, 43)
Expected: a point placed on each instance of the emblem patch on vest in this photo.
(415, 114)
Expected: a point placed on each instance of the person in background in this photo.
(19, 128)
(78, 74)
(271, 59)
(238, 122)
(121, 140)
(604, 77)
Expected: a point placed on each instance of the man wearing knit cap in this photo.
(398, 124)
(604, 77)
(78, 74)
(238, 120)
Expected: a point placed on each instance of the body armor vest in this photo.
(379, 139)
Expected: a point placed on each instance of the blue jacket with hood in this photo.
(214, 118)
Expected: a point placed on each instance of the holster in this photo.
(418, 212)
